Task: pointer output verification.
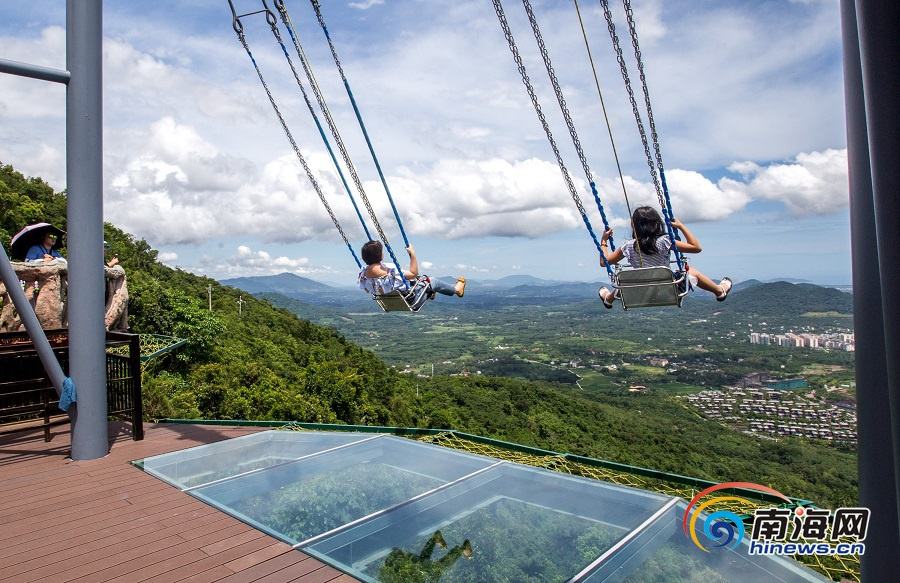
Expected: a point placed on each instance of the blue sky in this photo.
(747, 98)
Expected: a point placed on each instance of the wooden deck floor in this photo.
(106, 520)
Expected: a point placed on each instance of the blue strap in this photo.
(612, 244)
(387, 190)
(668, 216)
(291, 140)
(587, 223)
(365, 132)
(326, 141)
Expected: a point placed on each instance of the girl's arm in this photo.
(613, 257)
(691, 244)
(413, 272)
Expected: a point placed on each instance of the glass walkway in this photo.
(386, 508)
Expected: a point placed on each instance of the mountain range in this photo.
(752, 295)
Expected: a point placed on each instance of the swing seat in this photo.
(410, 301)
(647, 287)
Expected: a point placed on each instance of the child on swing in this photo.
(379, 278)
(651, 247)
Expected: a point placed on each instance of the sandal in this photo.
(726, 285)
(606, 299)
(461, 280)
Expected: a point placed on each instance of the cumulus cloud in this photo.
(168, 256)
(470, 198)
(812, 183)
(249, 262)
(174, 186)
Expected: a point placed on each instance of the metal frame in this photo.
(678, 283)
(84, 180)
(391, 302)
(698, 483)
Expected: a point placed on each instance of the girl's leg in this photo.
(444, 288)
(704, 282)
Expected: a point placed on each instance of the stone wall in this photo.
(45, 288)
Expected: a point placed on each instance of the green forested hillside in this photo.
(269, 364)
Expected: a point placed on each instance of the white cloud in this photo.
(812, 183)
(168, 256)
(366, 4)
(176, 187)
(248, 262)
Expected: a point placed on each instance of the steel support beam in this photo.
(871, 83)
(32, 325)
(34, 71)
(84, 179)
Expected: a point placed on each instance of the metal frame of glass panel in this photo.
(365, 503)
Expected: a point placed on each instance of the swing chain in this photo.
(326, 113)
(629, 14)
(294, 145)
(520, 65)
(634, 107)
(545, 55)
(537, 106)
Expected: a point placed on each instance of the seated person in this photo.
(379, 278)
(651, 247)
(44, 251)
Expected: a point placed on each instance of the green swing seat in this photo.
(647, 287)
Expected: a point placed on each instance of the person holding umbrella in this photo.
(38, 242)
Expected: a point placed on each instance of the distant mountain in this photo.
(283, 283)
(786, 298)
(746, 284)
(511, 281)
(308, 291)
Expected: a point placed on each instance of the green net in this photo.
(837, 568)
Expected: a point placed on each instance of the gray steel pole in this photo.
(879, 46)
(32, 326)
(84, 178)
(34, 71)
(877, 470)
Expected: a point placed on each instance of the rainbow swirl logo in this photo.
(723, 528)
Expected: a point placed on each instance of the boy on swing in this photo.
(650, 247)
(379, 278)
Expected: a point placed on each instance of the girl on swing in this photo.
(650, 247)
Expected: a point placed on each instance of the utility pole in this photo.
(209, 295)
(240, 306)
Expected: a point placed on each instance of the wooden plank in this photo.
(105, 520)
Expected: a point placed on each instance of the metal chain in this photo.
(504, 24)
(277, 34)
(362, 126)
(296, 148)
(329, 120)
(667, 219)
(634, 106)
(561, 99)
(545, 55)
(629, 14)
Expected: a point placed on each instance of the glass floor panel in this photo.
(299, 500)
(509, 523)
(207, 463)
(663, 554)
(389, 509)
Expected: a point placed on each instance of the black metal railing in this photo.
(26, 394)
